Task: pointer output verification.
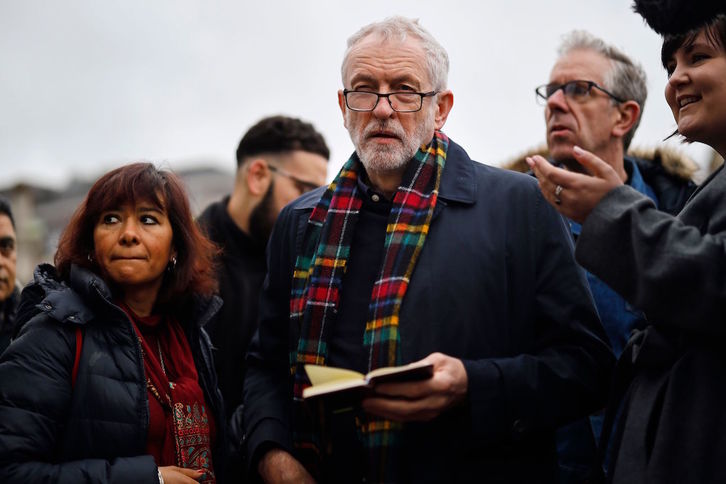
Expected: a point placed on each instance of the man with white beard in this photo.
(417, 253)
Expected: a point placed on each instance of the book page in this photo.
(320, 375)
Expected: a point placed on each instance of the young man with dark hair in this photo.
(278, 159)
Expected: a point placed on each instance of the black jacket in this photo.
(7, 318)
(95, 432)
(240, 272)
(496, 285)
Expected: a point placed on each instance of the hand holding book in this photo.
(328, 380)
(422, 400)
(419, 391)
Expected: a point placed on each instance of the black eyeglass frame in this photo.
(590, 84)
(387, 96)
(303, 185)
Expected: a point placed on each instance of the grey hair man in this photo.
(594, 100)
(408, 257)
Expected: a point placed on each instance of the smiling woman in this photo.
(132, 394)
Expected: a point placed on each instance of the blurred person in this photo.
(111, 379)
(9, 290)
(278, 159)
(667, 391)
(416, 252)
(594, 99)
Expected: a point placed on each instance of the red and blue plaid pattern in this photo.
(319, 271)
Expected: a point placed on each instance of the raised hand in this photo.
(579, 193)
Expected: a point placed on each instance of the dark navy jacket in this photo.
(497, 286)
(95, 432)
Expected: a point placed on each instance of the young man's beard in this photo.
(263, 217)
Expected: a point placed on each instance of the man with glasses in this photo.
(594, 100)
(416, 252)
(9, 291)
(278, 159)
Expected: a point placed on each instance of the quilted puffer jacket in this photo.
(95, 430)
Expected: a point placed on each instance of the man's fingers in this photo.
(408, 390)
(402, 410)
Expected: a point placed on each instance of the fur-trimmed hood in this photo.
(673, 162)
(666, 170)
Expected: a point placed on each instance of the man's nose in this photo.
(557, 101)
(383, 109)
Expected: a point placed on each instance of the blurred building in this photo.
(41, 213)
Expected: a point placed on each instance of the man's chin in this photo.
(383, 160)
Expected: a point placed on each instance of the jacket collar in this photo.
(68, 303)
(458, 182)
(86, 292)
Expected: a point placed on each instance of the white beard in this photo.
(377, 158)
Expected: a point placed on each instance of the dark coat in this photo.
(673, 424)
(496, 285)
(8, 327)
(95, 432)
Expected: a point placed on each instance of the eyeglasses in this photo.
(401, 102)
(575, 90)
(7, 246)
(302, 185)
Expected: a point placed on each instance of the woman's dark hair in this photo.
(194, 270)
(715, 31)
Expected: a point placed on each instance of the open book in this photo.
(351, 385)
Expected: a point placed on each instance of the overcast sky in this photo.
(86, 85)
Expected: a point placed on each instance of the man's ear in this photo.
(341, 104)
(627, 115)
(444, 103)
(257, 176)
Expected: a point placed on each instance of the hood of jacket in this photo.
(674, 163)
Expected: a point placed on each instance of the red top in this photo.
(180, 428)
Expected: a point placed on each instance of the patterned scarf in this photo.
(176, 401)
(316, 286)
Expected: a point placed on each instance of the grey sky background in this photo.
(86, 85)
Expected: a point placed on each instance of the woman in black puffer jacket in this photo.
(111, 378)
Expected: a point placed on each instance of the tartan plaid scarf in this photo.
(316, 286)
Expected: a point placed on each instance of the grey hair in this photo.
(398, 28)
(626, 79)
